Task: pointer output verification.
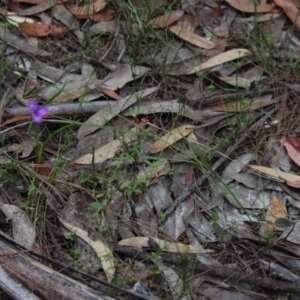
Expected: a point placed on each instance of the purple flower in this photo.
(37, 111)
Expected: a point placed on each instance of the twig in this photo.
(197, 183)
(221, 271)
(112, 43)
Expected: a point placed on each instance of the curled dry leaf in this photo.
(172, 137)
(85, 10)
(167, 19)
(250, 6)
(38, 29)
(220, 59)
(290, 179)
(141, 241)
(292, 146)
(192, 38)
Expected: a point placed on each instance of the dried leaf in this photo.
(23, 229)
(38, 29)
(191, 37)
(16, 20)
(220, 59)
(102, 16)
(262, 18)
(157, 169)
(101, 249)
(35, 9)
(85, 10)
(237, 81)
(20, 43)
(291, 10)
(167, 19)
(290, 179)
(251, 7)
(172, 137)
(292, 146)
(241, 105)
(141, 241)
(276, 210)
(109, 150)
(107, 113)
(119, 78)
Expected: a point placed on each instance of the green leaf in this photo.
(217, 228)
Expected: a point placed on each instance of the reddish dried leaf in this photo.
(85, 10)
(37, 29)
(290, 10)
(14, 7)
(16, 119)
(249, 6)
(43, 170)
(292, 146)
(111, 93)
(102, 16)
(216, 12)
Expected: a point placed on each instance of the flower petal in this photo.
(33, 106)
(37, 118)
(43, 111)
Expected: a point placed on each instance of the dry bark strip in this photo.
(41, 280)
(224, 272)
(10, 249)
(197, 183)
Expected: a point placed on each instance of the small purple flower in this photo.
(37, 111)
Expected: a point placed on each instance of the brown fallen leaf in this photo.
(102, 16)
(191, 37)
(167, 19)
(38, 29)
(291, 10)
(290, 179)
(220, 59)
(292, 146)
(85, 10)
(275, 211)
(172, 137)
(249, 6)
(111, 93)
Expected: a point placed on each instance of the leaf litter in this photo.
(170, 142)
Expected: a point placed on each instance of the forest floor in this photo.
(149, 149)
